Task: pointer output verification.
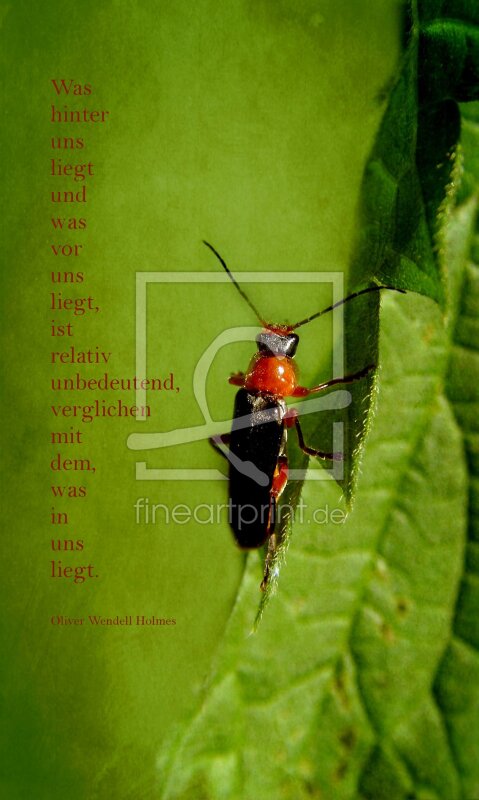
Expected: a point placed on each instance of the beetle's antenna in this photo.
(344, 300)
(235, 282)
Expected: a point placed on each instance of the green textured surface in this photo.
(256, 126)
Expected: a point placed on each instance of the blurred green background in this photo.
(244, 123)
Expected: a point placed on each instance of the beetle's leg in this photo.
(237, 379)
(290, 419)
(311, 451)
(280, 477)
(216, 441)
(302, 391)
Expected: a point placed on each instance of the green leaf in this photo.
(339, 677)
(410, 182)
(363, 680)
(457, 684)
(409, 185)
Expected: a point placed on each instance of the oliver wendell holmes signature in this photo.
(117, 621)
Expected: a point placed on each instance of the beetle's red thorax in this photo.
(270, 374)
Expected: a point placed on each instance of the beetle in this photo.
(257, 455)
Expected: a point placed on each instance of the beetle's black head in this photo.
(277, 343)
